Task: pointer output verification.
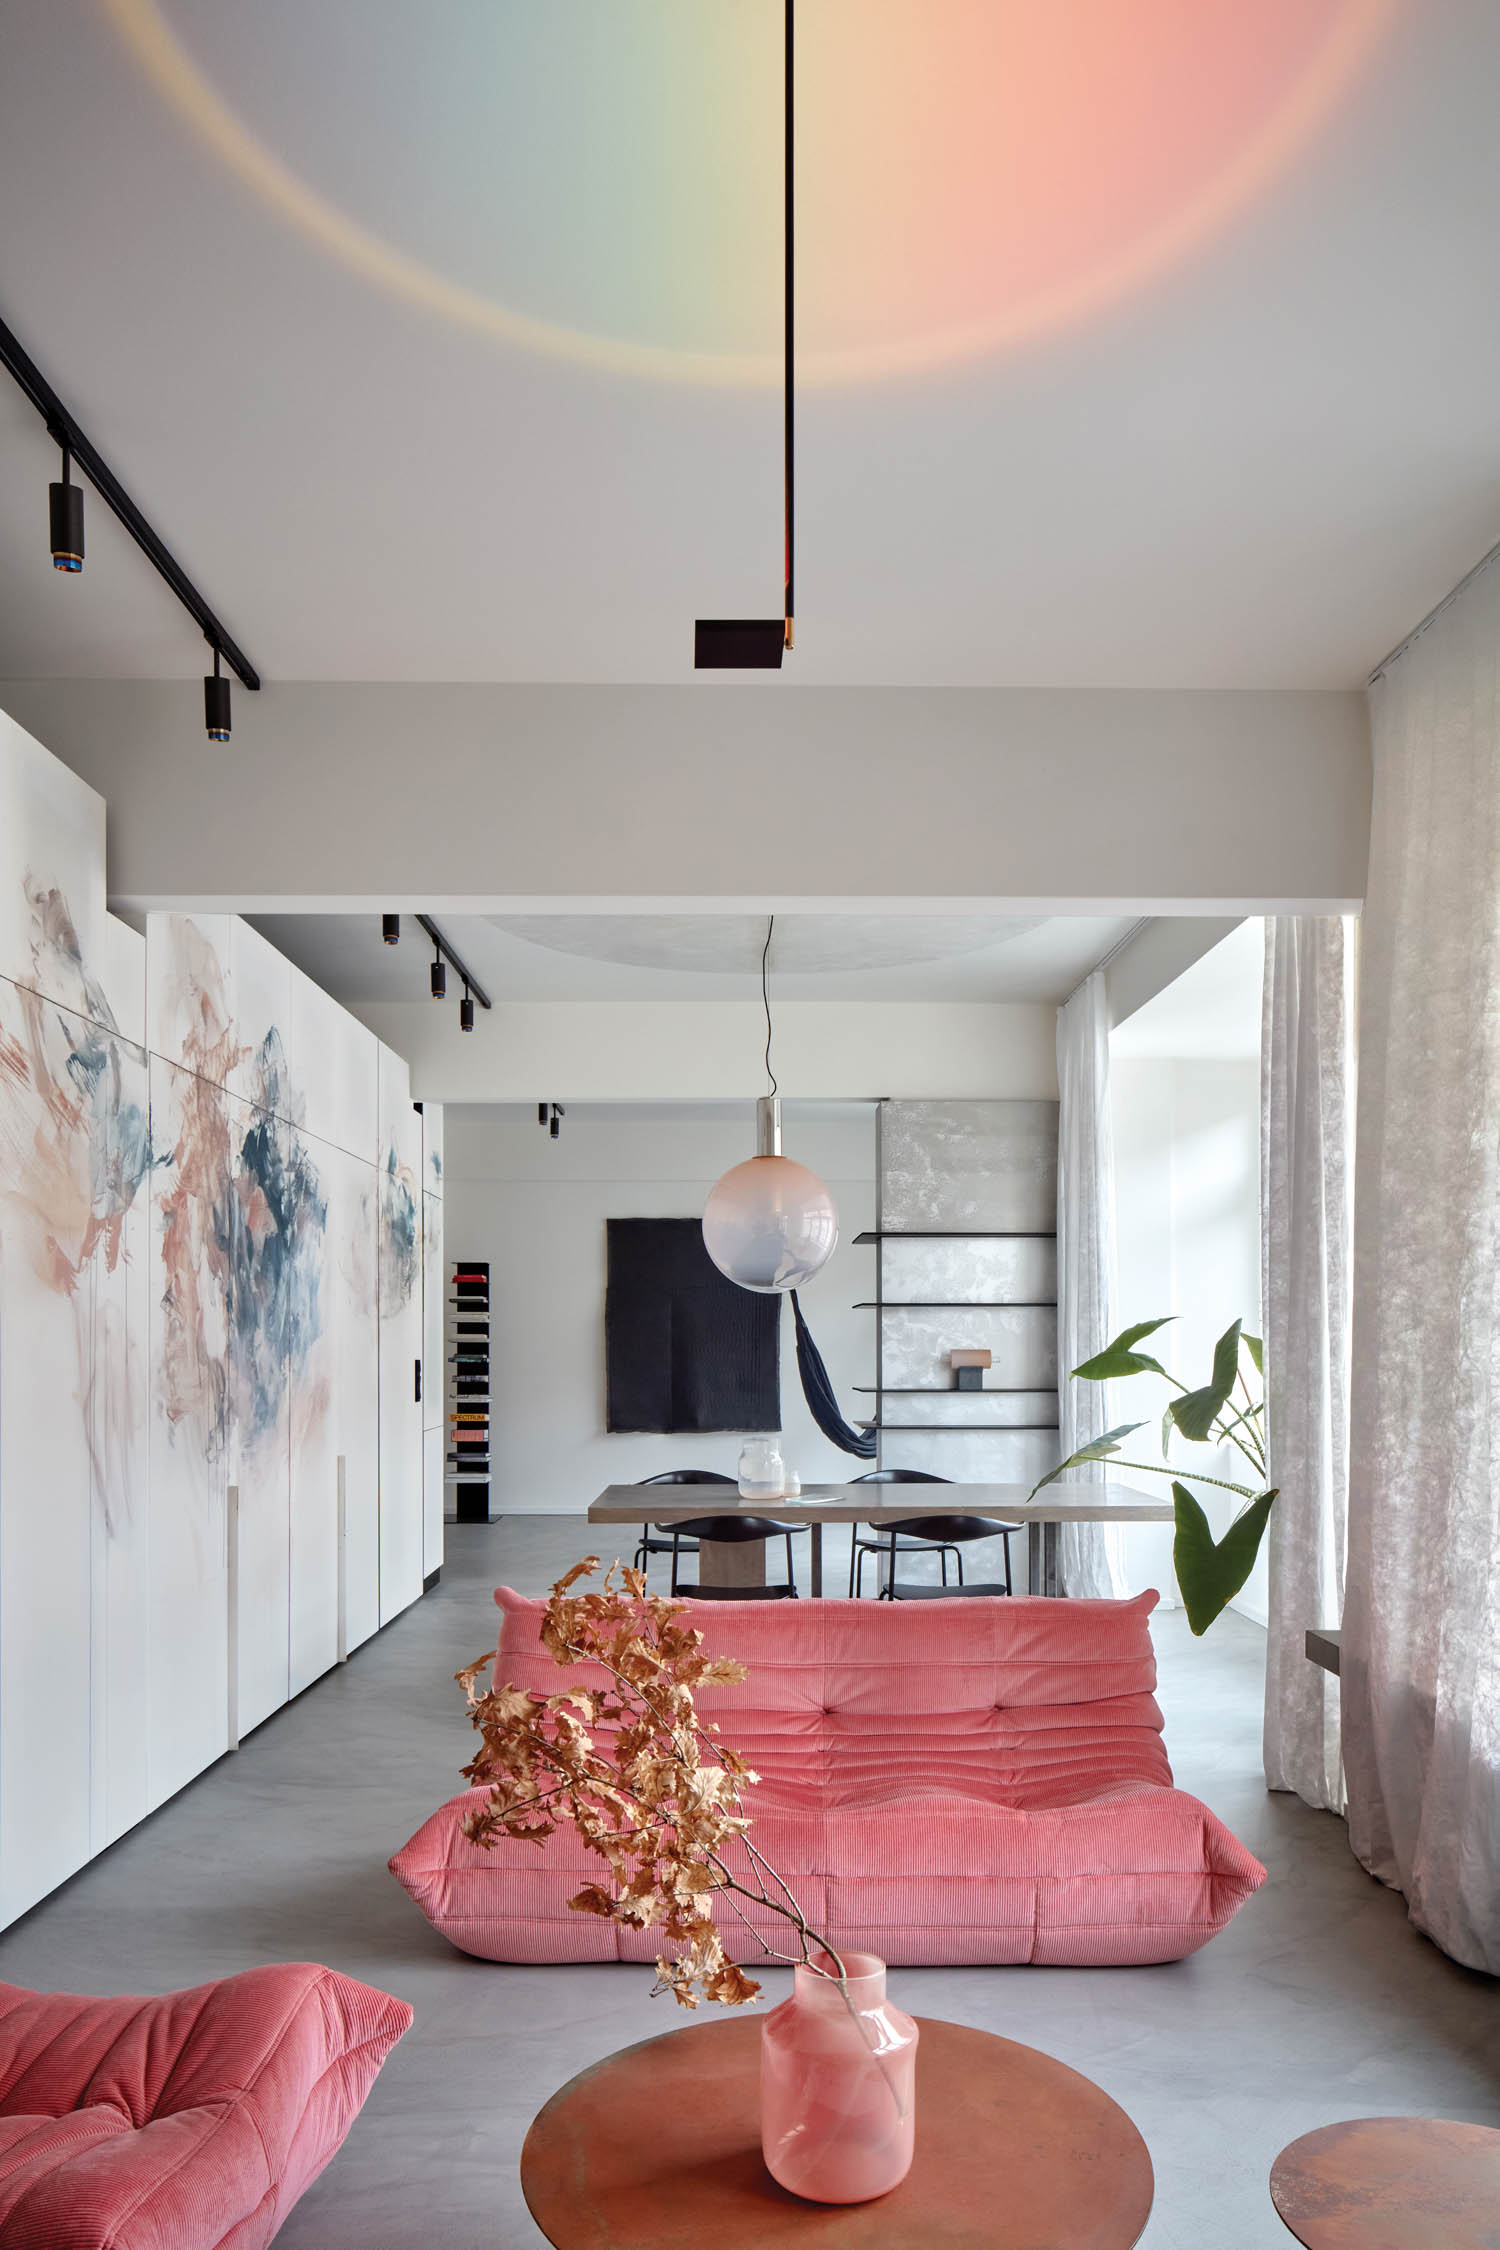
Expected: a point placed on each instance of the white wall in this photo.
(469, 798)
(632, 1051)
(1157, 955)
(536, 1209)
(1187, 1217)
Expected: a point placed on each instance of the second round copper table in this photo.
(1392, 2183)
(658, 2148)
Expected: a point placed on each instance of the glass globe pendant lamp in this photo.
(770, 1224)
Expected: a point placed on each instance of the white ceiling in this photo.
(850, 957)
(1211, 1013)
(1170, 363)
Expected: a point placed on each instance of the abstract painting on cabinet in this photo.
(210, 1282)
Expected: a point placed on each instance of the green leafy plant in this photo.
(1209, 1573)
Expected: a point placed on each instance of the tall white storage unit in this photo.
(434, 1370)
(212, 1199)
(336, 1433)
(400, 1268)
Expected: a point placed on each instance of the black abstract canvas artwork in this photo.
(684, 1348)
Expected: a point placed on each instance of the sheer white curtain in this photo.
(1307, 1168)
(1091, 1554)
(1421, 1683)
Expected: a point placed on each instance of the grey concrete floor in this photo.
(1318, 2002)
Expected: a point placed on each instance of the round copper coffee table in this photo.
(658, 2148)
(1392, 2183)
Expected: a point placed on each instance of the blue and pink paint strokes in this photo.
(400, 1235)
(75, 1153)
(243, 1222)
(77, 1118)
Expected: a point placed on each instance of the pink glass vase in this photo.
(838, 2086)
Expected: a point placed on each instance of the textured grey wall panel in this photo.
(969, 1164)
(1019, 1458)
(961, 1410)
(969, 1271)
(917, 1344)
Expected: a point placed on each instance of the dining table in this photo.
(743, 1562)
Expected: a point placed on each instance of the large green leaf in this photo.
(1119, 1359)
(1098, 1449)
(1196, 1412)
(1256, 1350)
(1210, 1576)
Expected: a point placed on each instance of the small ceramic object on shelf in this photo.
(762, 1471)
(838, 2086)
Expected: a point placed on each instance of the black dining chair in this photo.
(915, 1535)
(656, 1539)
(734, 1531)
(871, 1541)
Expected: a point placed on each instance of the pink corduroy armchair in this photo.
(189, 2122)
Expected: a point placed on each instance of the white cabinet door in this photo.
(434, 1387)
(400, 1272)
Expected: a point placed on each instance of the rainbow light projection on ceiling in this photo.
(598, 179)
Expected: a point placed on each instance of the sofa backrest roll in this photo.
(1004, 1696)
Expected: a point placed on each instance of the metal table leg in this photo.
(817, 1560)
(1041, 1558)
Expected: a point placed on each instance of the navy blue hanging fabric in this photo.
(818, 1391)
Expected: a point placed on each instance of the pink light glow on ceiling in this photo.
(600, 179)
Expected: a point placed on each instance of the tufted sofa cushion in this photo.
(965, 1781)
(189, 2122)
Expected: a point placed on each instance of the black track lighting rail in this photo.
(471, 982)
(65, 432)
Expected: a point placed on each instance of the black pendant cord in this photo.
(765, 1001)
(80, 451)
(760, 643)
(790, 322)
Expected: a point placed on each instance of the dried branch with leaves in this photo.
(642, 1779)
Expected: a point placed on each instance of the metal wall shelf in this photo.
(950, 1429)
(956, 1304)
(958, 1234)
(951, 1390)
(894, 1346)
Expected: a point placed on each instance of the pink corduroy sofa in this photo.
(189, 2122)
(968, 1781)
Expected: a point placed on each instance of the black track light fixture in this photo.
(759, 643)
(216, 703)
(444, 958)
(66, 512)
(390, 929)
(554, 1129)
(541, 1113)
